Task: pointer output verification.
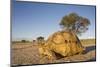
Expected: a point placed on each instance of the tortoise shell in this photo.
(64, 43)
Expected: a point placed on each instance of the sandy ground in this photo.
(27, 54)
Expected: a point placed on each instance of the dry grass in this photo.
(88, 42)
(27, 53)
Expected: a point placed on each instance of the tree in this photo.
(40, 40)
(74, 22)
(23, 41)
(33, 41)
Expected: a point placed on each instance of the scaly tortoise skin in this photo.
(62, 42)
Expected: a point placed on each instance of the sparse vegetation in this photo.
(88, 41)
(27, 53)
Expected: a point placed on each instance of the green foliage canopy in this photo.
(74, 22)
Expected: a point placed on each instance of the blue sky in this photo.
(30, 20)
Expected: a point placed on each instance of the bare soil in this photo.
(27, 54)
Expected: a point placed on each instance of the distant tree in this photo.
(74, 22)
(40, 40)
(33, 41)
(23, 41)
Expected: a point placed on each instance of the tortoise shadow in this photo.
(88, 49)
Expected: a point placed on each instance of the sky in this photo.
(33, 19)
